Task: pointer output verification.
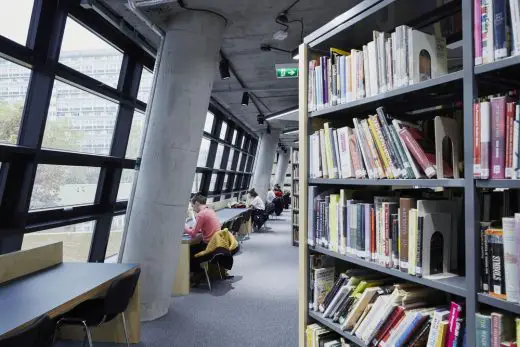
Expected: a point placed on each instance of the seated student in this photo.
(207, 224)
(256, 203)
(270, 196)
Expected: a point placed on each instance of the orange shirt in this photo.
(207, 224)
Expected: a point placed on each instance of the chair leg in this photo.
(219, 271)
(123, 319)
(87, 334)
(205, 266)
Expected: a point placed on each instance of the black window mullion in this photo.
(110, 178)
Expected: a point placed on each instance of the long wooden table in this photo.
(181, 283)
(57, 289)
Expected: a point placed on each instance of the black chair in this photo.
(259, 218)
(278, 206)
(95, 312)
(39, 333)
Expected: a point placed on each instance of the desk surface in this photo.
(44, 292)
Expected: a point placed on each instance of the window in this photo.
(203, 153)
(208, 125)
(196, 183)
(115, 237)
(15, 19)
(224, 184)
(234, 139)
(81, 130)
(145, 85)
(230, 159)
(239, 163)
(84, 51)
(13, 88)
(58, 185)
(76, 240)
(125, 185)
(213, 182)
(223, 131)
(218, 156)
(136, 135)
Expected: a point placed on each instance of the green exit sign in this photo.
(287, 70)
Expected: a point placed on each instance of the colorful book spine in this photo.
(488, 47)
(516, 143)
(500, 41)
(496, 262)
(476, 136)
(483, 330)
(484, 254)
(417, 152)
(419, 251)
(485, 138)
(510, 120)
(498, 132)
(477, 32)
(455, 312)
(510, 259)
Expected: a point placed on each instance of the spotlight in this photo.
(245, 99)
(260, 119)
(282, 17)
(224, 69)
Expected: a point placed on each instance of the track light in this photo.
(260, 119)
(245, 98)
(224, 69)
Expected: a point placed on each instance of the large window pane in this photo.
(224, 184)
(136, 135)
(223, 131)
(58, 185)
(15, 18)
(14, 80)
(239, 163)
(230, 159)
(203, 153)
(145, 85)
(234, 139)
(86, 52)
(212, 182)
(125, 185)
(208, 125)
(196, 183)
(218, 156)
(114, 239)
(79, 121)
(76, 240)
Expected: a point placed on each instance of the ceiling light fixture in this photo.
(294, 131)
(224, 69)
(280, 35)
(260, 118)
(282, 114)
(245, 98)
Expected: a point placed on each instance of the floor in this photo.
(258, 307)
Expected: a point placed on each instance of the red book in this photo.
(372, 233)
(510, 119)
(498, 136)
(396, 315)
(417, 152)
(476, 138)
(455, 312)
(386, 225)
(394, 326)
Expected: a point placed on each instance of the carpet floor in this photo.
(258, 307)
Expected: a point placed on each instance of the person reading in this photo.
(206, 225)
(256, 203)
(270, 196)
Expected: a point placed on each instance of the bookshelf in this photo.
(461, 86)
(295, 198)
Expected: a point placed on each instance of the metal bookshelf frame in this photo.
(469, 80)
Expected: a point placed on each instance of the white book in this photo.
(372, 62)
(344, 152)
(341, 222)
(364, 150)
(510, 259)
(388, 59)
(379, 304)
(341, 93)
(359, 307)
(378, 319)
(361, 75)
(372, 149)
(366, 67)
(514, 7)
(488, 50)
(516, 129)
(485, 138)
(319, 87)
(412, 240)
(348, 78)
(409, 55)
(336, 151)
(393, 39)
(437, 318)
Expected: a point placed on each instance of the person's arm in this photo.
(196, 228)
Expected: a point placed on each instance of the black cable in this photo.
(183, 6)
(292, 5)
(301, 23)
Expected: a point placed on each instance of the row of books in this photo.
(383, 312)
(494, 21)
(295, 159)
(295, 219)
(495, 329)
(413, 235)
(295, 202)
(499, 254)
(496, 138)
(376, 147)
(404, 57)
(319, 336)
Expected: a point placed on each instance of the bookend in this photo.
(446, 127)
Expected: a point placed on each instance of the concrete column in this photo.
(185, 78)
(264, 162)
(281, 168)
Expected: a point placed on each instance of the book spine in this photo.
(408, 171)
(392, 149)
(417, 152)
(372, 150)
(356, 157)
(404, 207)
(498, 137)
(515, 21)
(510, 259)
(363, 149)
(488, 52)
(395, 240)
(483, 330)
(496, 262)
(387, 231)
(499, 29)
(393, 37)
(359, 230)
(495, 330)
(477, 32)
(455, 310)
(484, 254)
(367, 231)
(485, 138)
(379, 142)
(516, 142)
(510, 120)
(412, 240)
(389, 68)
(476, 135)
(372, 234)
(419, 251)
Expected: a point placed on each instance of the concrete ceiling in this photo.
(250, 24)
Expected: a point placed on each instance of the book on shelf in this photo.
(409, 234)
(391, 60)
(317, 335)
(496, 30)
(496, 329)
(378, 147)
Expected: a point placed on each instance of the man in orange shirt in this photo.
(206, 225)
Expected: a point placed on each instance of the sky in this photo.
(14, 24)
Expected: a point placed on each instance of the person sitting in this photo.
(270, 196)
(277, 191)
(256, 203)
(206, 225)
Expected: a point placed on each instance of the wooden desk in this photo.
(58, 289)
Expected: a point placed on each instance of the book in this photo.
(435, 330)
(484, 256)
(440, 341)
(455, 313)
(485, 138)
(487, 17)
(510, 120)
(514, 10)
(405, 204)
(483, 330)
(501, 328)
(510, 259)
(477, 32)
(412, 240)
(496, 262)
(476, 133)
(498, 108)
(323, 282)
(417, 152)
(500, 30)
(516, 143)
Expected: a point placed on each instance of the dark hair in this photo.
(201, 199)
(253, 193)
